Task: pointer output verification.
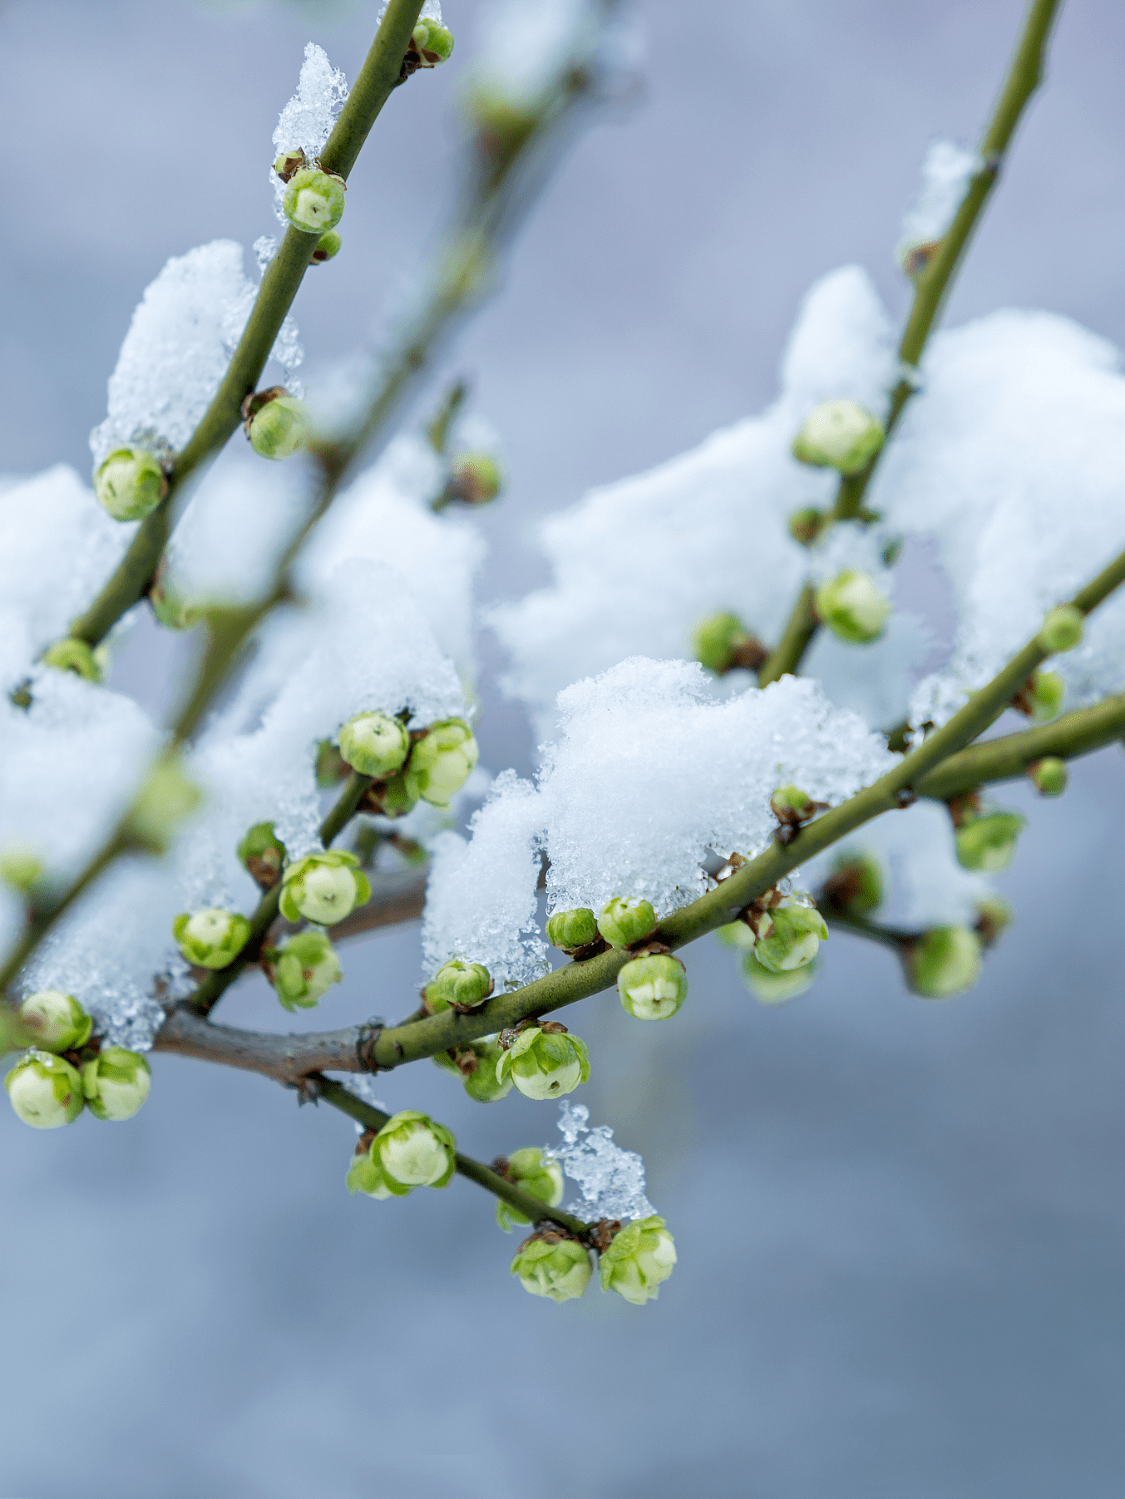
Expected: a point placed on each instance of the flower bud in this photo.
(289, 163)
(988, 842)
(789, 804)
(314, 200)
(839, 434)
(994, 916)
(806, 525)
(1062, 629)
(166, 798)
(1042, 696)
(475, 1064)
(770, 988)
(852, 607)
(551, 1264)
(374, 744)
(130, 484)
(1049, 776)
(529, 1170)
(45, 1090)
(626, 920)
(944, 961)
(442, 762)
(653, 987)
(394, 797)
(457, 984)
(71, 654)
(637, 1260)
(570, 931)
(211, 938)
(56, 1020)
(323, 888)
(280, 428)
(433, 42)
(20, 869)
(412, 1151)
(116, 1083)
(303, 970)
(794, 939)
(716, 642)
(171, 609)
(366, 1175)
(855, 884)
(262, 854)
(543, 1063)
(736, 934)
(476, 479)
(327, 247)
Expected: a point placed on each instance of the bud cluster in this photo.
(302, 970)
(429, 764)
(785, 933)
(65, 1071)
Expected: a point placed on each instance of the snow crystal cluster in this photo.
(611, 1180)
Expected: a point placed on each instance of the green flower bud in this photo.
(806, 525)
(412, 1151)
(56, 1020)
(262, 854)
(289, 163)
(528, 1169)
(433, 43)
(1049, 776)
(839, 434)
(856, 884)
(794, 938)
(166, 798)
(323, 888)
(736, 934)
(464, 986)
(792, 805)
(280, 428)
(987, 843)
(116, 1083)
(327, 247)
(45, 1090)
(770, 988)
(366, 1175)
(944, 961)
(544, 1063)
(571, 930)
(1043, 696)
(394, 797)
(477, 1066)
(442, 762)
(374, 744)
(171, 609)
(1062, 629)
(211, 938)
(994, 916)
(638, 1259)
(476, 479)
(20, 869)
(303, 970)
(314, 200)
(130, 484)
(716, 641)
(852, 607)
(653, 987)
(626, 920)
(550, 1264)
(70, 654)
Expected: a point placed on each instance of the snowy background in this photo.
(899, 1224)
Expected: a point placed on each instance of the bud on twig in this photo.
(116, 1083)
(45, 1090)
(852, 607)
(327, 247)
(314, 200)
(544, 1063)
(432, 42)
(571, 931)
(1062, 629)
(551, 1263)
(943, 961)
(374, 744)
(652, 987)
(211, 938)
(323, 888)
(20, 869)
(638, 1260)
(457, 985)
(262, 855)
(476, 1064)
(130, 483)
(987, 842)
(1049, 776)
(475, 480)
(839, 434)
(303, 970)
(71, 654)
(626, 920)
(722, 643)
(278, 424)
(412, 1151)
(528, 1170)
(1041, 696)
(442, 762)
(994, 916)
(806, 525)
(856, 885)
(56, 1020)
(793, 938)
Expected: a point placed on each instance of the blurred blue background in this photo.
(899, 1223)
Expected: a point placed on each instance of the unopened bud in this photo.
(550, 1264)
(789, 804)
(211, 938)
(794, 937)
(303, 970)
(366, 1175)
(626, 920)
(262, 854)
(806, 525)
(412, 1151)
(544, 1064)
(171, 609)
(130, 483)
(280, 428)
(855, 884)
(20, 869)
(45, 1090)
(716, 642)
(71, 654)
(394, 797)
(1049, 776)
(116, 1083)
(460, 985)
(1062, 629)
(736, 934)
(529, 1170)
(374, 744)
(476, 479)
(323, 888)
(770, 988)
(852, 607)
(987, 843)
(433, 43)
(289, 163)
(475, 1064)
(314, 200)
(327, 247)
(56, 1020)
(571, 930)
(944, 961)
(652, 987)
(994, 916)
(166, 798)
(639, 1258)
(442, 762)
(1042, 696)
(839, 434)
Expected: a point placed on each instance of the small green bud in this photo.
(944, 961)
(1062, 629)
(653, 987)
(856, 884)
(70, 654)
(994, 916)
(262, 854)
(314, 200)
(211, 938)
(433, 43)
(327, 247)
(793, 939)
(806, 525)
(638, 1259)
(464, 986)
(303, 970)
(716, 642)
(116, 1083)
(988, 842)
(736, 934)
(571, 930)
(374, 744)
(289, 163)
(550, 1264)
(166, 798)
(324, 888)
(475, 480)
(130, 484)
(412, 1151)
(45, 1090)
(171, 609)
(791, 804)
(20, 869)
(770, 988)
(544, 1063)
(280, 428)
(528, 1169)
(1043, 696)
(626, 920)
(56, 1020)
(852, 607)
(1049, 775)
(442, 762)
(477, 1066)
(366, 1175)
(394, 797)
(839, 434)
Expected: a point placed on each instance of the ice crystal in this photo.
(611, 1180)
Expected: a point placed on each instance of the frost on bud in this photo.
(793, 939)
(45, 1090)
(458, 985)
(70, 654)
(806, 525)
(544, 1062)
(637, 1260)
(839, 434)
(211, 938)
(280, 428)
(116, 1083)
(1041, 696)
(412, 1151)
(775, 988)
(528, 1170)
(994, 916)
(165, 799)
(570, 931)
(722, 642)
(852, 607)
(56, 1020)
(987, 843)
(262, 854)
(626, 920)
(314, 200)
(1062, 629)
(476, 479)
(432, 42)
(944, 961)
(374, 744)
(1049, 776)
(130, 484)
(20, 869)
(327, 247)
(303, 970)
(552, 1264)
(442, 762)
(323, 888)
(652, 987)
(855, 884)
